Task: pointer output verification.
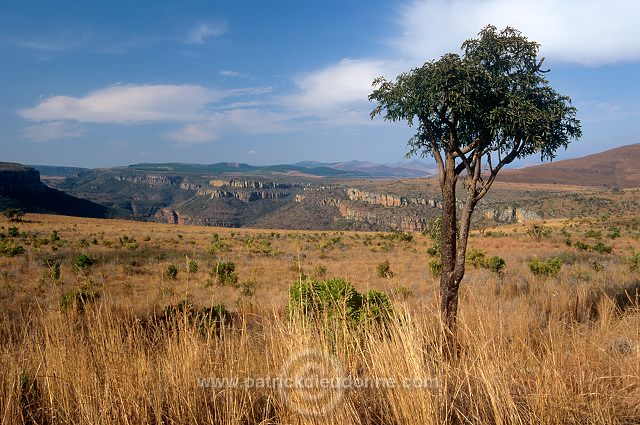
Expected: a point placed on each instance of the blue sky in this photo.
(103, 83)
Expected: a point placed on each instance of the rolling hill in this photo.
(619, 167)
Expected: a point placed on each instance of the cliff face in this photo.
(18, 180)
(20, 187)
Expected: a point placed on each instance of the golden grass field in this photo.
(555, 350)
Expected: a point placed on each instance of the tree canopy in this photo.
(492, 102)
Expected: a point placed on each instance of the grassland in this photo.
(90, 343)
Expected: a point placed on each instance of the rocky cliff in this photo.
(20, 187)
(18, 180)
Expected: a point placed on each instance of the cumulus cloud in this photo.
(126, 104)
(587, 32)
(52, 130)
(201, 32)
(338, 86)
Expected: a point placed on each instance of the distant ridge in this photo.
(619, 167)
(305, 168)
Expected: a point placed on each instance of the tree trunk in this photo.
(448, 282)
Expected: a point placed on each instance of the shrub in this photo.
(602, 248)
(477, 258)
(435, 267)
(172, 272)
(337, 299)
(538, 231)
(320, 270)
(634, 261)
(548, 268)
(496, 264)
(54, 236)
(14, 214)
(193, 266)
(8, 249)
(83, 261)
(224, 274)
(248, 288)
(384, 269)
(78, 298)
(615, 233)
(592, 234)
(203, 319)
(13, 232)
(581, 246)
(217, 245)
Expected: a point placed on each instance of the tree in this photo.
(14, 214)
(474, 113)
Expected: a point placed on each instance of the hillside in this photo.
(20, 187)
(618, 167)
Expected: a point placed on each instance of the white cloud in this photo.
(229, 73)
(235, 121)
(338, 86)
(201, 32)
(587, 32)
(51, 130)
(127, 104)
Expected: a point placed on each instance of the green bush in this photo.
(54, 236)
(223, 274)
(193, 266)
(477, 258)
(338, 299)
(217, 245)
(602, 248)
(550, 267)
(435, 267)
(592, 234)
(203, 319)
(172, 271)
(13, 232)
(496, 264)
(78, 298)
(538, 231)
(634, 261)
(384, 269)
(9, 249)
(83, 261)
(320, 270)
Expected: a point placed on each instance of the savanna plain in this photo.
(120, 322)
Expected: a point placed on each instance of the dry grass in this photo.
(531, 350)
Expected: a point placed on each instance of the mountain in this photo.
(20, 187)
(372, 170)
(619, 167)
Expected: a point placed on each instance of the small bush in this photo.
(549, 268)
(8, 249)
(13, 232)
(320, 270)
(538, 231)
(217, 245)
(384, 269)
(592, 234)
(54, 236)
(83, 261)
(435, 267)
(477, 258)
(203, 319)
(248, 288)
(193, 266)
(223, 274)
(615, 233)
(602, 248)
(337, 299)
(78, 298)
(172, 271)
(634, 261)
(496, 264)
